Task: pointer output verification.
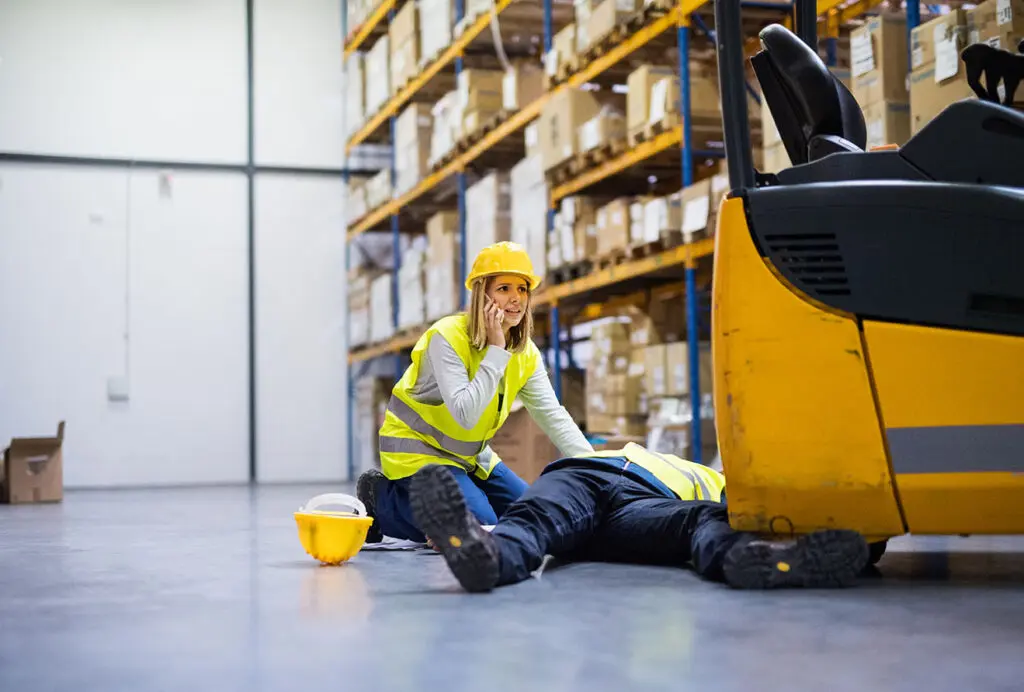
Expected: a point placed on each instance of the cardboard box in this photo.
(638, 86)
(381, 324)
(412, 146)
(655, 373)
(435, 19)
(677, 366)
(925, 38)
(887, 123)
(606, 126)
(33, 469)
(529, 210)
(604, 18)
(879, 53)
(928, 98)
(769, 131)
(377, 67)
(355, 95)
(662, 216)
(563, 50)
(531, 137)
(404, 37)
(481, 89)
(488, 212)
(696, 200)
(523, 446)
(613, 225)
(447, 128)
(559, 121)
(522, 85)
(442, 270)
(411, 307)
(1000, 23)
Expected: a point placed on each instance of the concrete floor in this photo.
(209, 589)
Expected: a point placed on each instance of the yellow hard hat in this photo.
(332, 537)
(503, 258)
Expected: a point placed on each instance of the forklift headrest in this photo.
(804, 97)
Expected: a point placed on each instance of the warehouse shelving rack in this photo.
(686, 265)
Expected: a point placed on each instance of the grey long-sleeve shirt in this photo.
(443, 378)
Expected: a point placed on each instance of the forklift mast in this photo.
(732, 82)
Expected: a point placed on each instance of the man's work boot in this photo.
(366, 491)
(439, 510)
(831, 558)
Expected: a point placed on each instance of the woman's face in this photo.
(511, 294)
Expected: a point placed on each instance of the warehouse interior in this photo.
(226, 225)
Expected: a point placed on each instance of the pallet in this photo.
(485, 129)
(611, 259)
(668, 239)
(652, 130)
(569, 272)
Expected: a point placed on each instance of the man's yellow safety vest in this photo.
(687, 479)
(415, 434)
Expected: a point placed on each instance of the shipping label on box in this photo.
(928, 39)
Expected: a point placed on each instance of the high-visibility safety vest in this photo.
(687, 479)
(415, 434)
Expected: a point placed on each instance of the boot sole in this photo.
(366, 493)
(825, 559)
(440, 512)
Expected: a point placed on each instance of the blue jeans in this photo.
(584, 511)
(487, 499)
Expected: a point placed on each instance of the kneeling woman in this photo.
(466, 371)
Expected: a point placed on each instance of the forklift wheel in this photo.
(876, 551)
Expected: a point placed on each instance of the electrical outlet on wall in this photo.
(117, 388)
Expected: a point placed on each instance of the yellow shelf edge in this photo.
(419, 81)
(368, 25)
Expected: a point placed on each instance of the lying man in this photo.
(629, 505)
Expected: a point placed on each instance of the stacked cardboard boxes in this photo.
(604, 17)
(378, 189)
(355, 94)
(404, 39)
(377, 68)
(480, 97)
(653, 96)
(608, 125)
(381, 326)
(411, 274)
(412, 146)
(522, 85)
(359, 307)
(435, 20)
(443, 256)
(529, 210)
(563, 51)
(614, 401)
(488, 212)
(573, 237)
(938, 76)
(447, 126)
(999, 23)
(356, 204)
(559, 122)
(613, 226)
(371, 400)
(662, 219)
(667, 383)
(879, 72)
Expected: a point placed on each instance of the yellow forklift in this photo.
(868, 306)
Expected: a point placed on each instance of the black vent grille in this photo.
(813, 261)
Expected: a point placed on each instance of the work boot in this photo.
(366, 491)
(831, 558)
(439, 510)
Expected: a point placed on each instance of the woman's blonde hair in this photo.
(518, 336)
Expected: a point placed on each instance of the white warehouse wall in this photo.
(297, 58)
(111, 274)
(300, 321)
(161, 79)
(166, 80)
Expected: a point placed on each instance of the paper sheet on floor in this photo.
(390, 543)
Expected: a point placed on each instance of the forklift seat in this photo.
(815, 113)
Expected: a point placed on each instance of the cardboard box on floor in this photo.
(33, 469)
(523, 446)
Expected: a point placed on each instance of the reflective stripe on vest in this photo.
(407, 415)
(409, 445)
(694, 478)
